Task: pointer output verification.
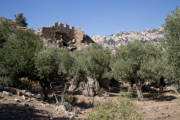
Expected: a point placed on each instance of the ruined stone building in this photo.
(58, 35)
(61, 35)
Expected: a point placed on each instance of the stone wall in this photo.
(61, 35)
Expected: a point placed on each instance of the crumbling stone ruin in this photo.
(58, 35)
(61, 35)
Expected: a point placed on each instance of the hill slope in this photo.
(122, 37)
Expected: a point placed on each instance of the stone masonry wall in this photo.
(62, 35)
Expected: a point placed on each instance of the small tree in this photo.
(18, 53)
(97, 63)
(131, 63)
(78, 70)
(65, 66)
(53, 65)
(47, 67)
(20, 20)
(158, 71)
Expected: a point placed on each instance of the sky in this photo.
(94, 17)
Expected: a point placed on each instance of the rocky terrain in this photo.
(122, 37)
(21, 105)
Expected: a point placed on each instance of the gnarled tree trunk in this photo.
(138, 86)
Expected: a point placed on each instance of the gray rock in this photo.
(28, 100)
(62, 109)
(123, 37)
(23, 97)
(38, 96)
(19, 93)
(17, 100)
(6, 93)
(28, 94)
(44, 105)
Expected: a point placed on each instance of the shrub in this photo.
(19, 51)
(5, 32)
(115, 110)
(172, 41)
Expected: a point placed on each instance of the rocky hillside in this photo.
(122, 37)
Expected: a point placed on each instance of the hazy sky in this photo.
(102, 17)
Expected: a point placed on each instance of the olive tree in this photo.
(78, 70)
(172, 41)
(18, 52)
(97, 64)
(47, 67)
(53, 65)
(133, 63)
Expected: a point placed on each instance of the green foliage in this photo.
(115, 110)
(93, 62)
(78, 69)
(138, 63)
(97, 62)
(19, 51)
(66, 61)
(5, 78)
(17, 54)
(20, 20)
(172, 41)
(46, 63)
(5, 32)
(53, 64)
(156, 69)
(128, 61)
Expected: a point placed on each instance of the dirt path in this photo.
(162, 108)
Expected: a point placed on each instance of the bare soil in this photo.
(165, 106)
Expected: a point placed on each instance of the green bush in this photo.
(5, 32)
(172, 42)
(19, 51)
(115, 110)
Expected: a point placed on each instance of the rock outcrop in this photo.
(115, 40)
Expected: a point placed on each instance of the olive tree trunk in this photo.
(138, 86)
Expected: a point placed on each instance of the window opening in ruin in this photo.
(62, 38)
